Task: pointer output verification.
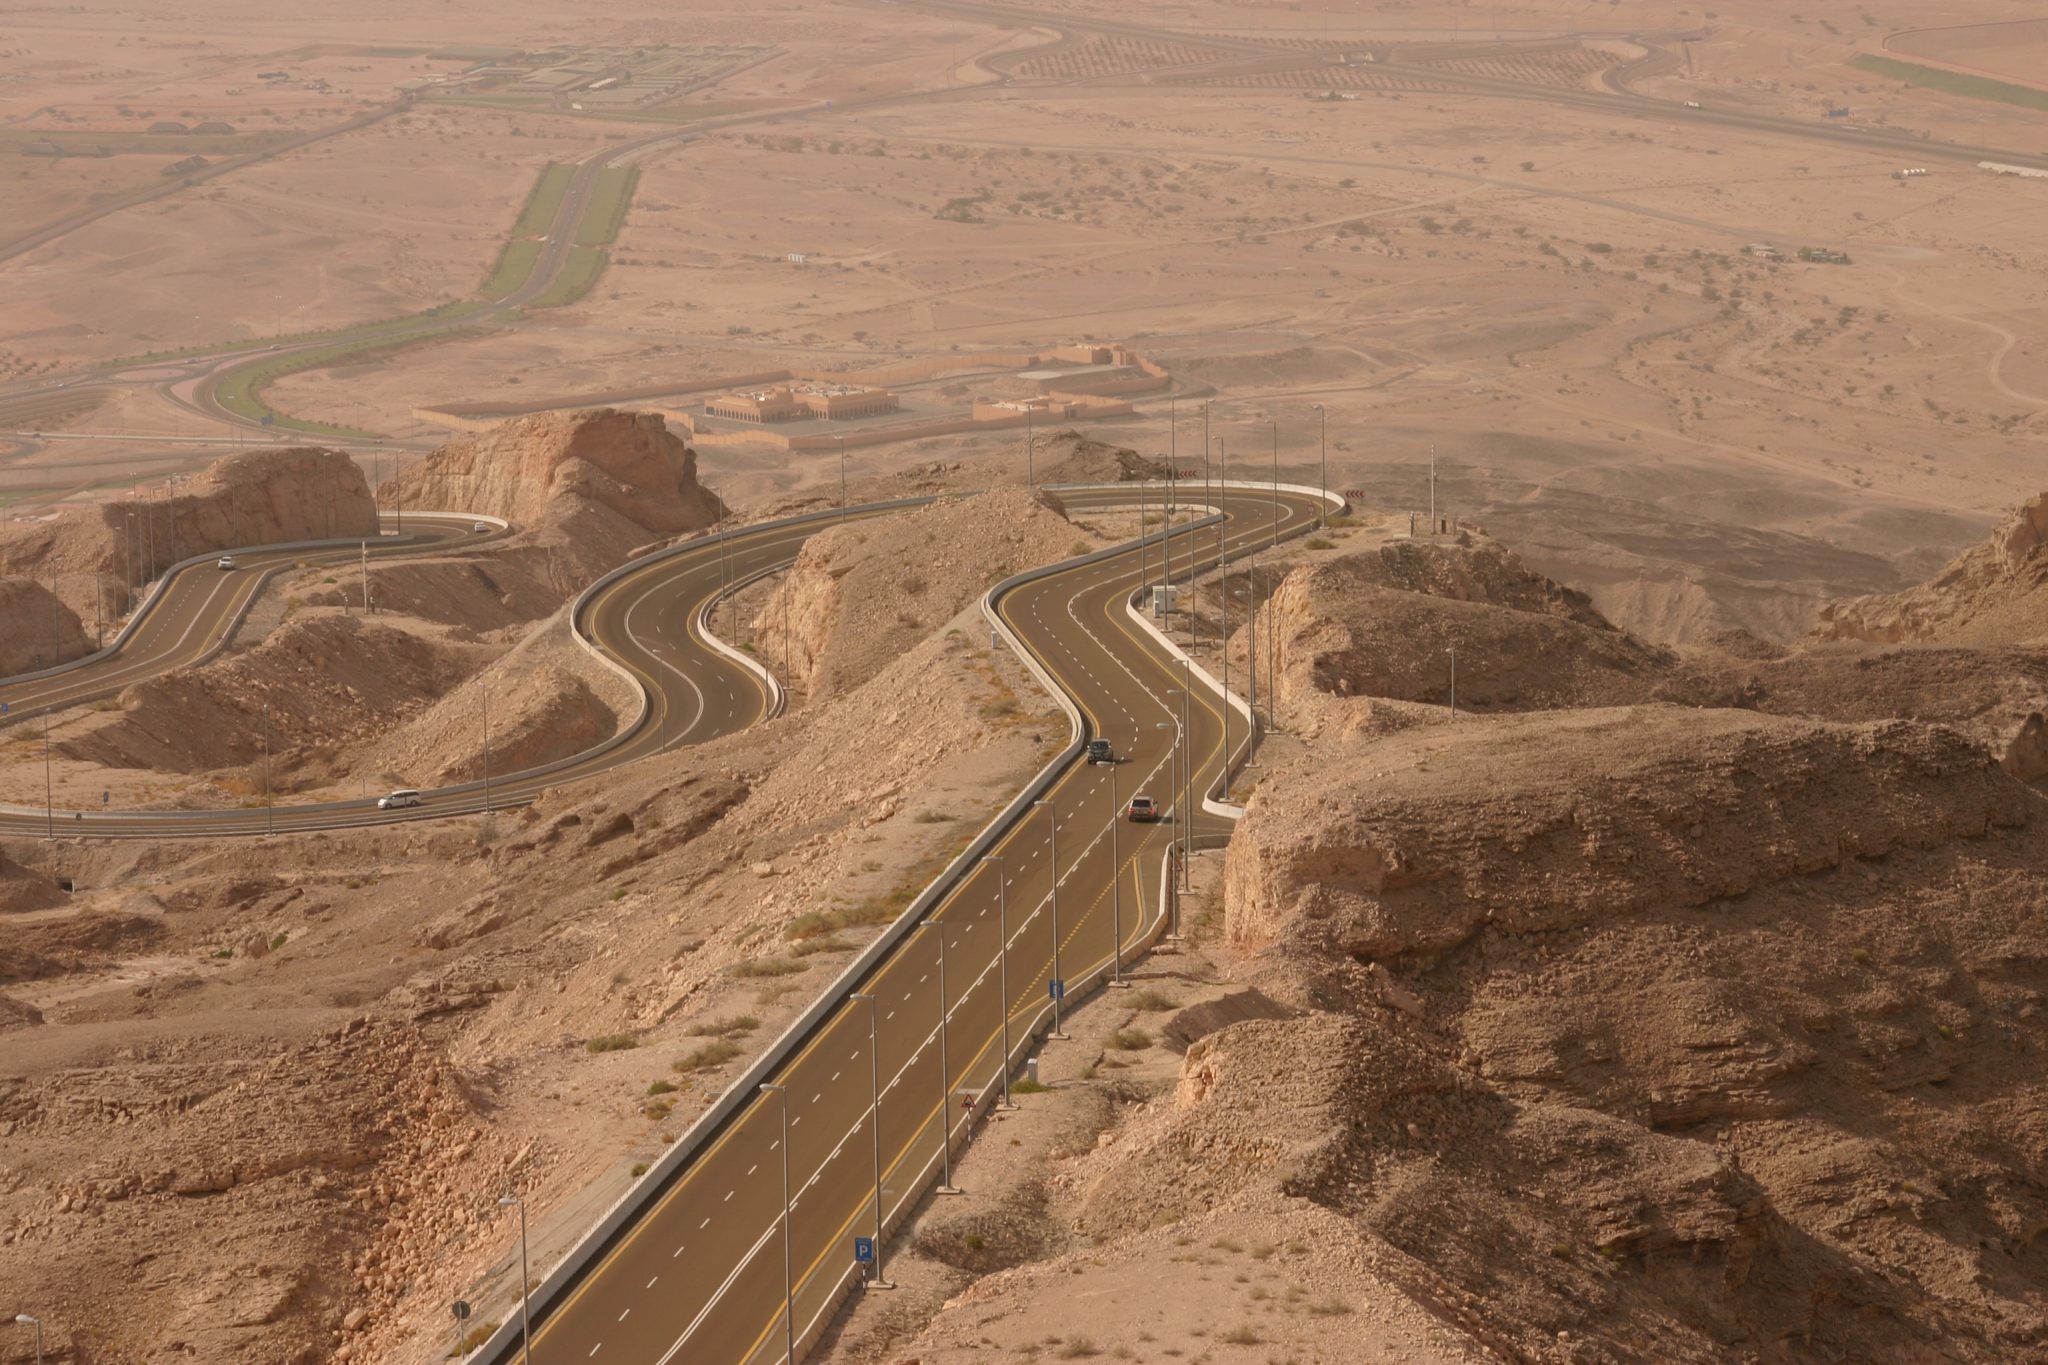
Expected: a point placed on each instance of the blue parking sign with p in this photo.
(864, 1250)
(1056, 988)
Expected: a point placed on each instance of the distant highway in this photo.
(697, 1276)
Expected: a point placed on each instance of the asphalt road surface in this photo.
(646, 621)
(699, 1275)
(200, 606)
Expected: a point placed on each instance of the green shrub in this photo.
(734, 1027)
(766, 966)
(611, 1042)
(705, 1056)
(660, 1088)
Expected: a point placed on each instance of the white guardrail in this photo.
(597, 1239)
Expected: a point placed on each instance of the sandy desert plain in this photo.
(1757, 1078)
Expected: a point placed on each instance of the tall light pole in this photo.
(1030, 449)
(1453, 652)
(1116, 883)
(510, 1201)
(788, 1272)
(1060, 986)
(269, 819)
(1187, 768)
(1432, 490)
(1251, 635)
(1276, 482)
(1003, 963)
(49, 788)
(842, 478)
(946, 1185)
(1179, 762)
(1323, 438)
(485, 684)
(880, 1281)
(26, 1320)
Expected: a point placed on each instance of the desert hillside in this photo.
(1993, 593)
(1655, 1006)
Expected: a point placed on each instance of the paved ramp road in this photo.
(698, 1276)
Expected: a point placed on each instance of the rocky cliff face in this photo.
(259, 499)
(90, 556)
(37, 629)
(551, 465)
(1642, 1018)
(1995, 592)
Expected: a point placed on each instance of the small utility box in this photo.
(1165, 599)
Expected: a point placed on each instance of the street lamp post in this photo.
(49, 786)
(1179, 761)
(1030, 449)
(1187, 767)
(1276, 481)
(28, 1320)
(1323, 439)
(1003, 963)
(1453, 652)
(880, 1280)
(788, 1274)
(946, 1185)
(842, 478)
(269, 818)
(485, 684)
(506, 1201)
(1059, 988)
(1116, 894)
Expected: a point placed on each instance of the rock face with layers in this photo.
(1535, 824)
(541, 468)
(1658, 1029)
(1379, 623)
(1995, 592)
(586, 490)
(37, 629)
(269, 498)
(273, 497)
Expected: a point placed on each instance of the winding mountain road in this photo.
(696, 1273)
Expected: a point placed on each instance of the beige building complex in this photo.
(833, 402)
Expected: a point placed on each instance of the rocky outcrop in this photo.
(1066, 456)
(1995, 592)
(1382, 622)
(1415, 843)
(536, 469)
(268, 498)
(860, 594)
(37, 629)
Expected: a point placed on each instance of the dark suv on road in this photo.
(1100, 752)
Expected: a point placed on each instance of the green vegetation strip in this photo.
(514, 268)
(579, 273)
(240, 390)
(546, 200)
(1955, 82)
(605, 214)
